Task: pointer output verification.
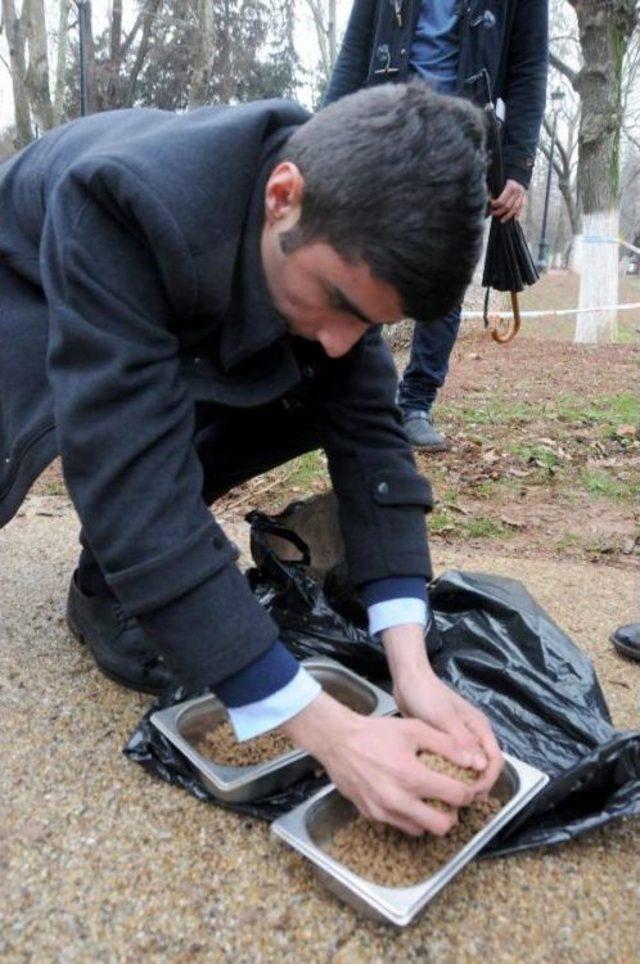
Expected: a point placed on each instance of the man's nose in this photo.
(337, 342)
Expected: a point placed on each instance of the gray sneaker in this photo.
(421, 433)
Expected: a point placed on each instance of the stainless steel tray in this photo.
(310, 827)
(184, 723)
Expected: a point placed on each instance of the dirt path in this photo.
(99, 862)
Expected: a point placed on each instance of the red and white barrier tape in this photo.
(555, 312)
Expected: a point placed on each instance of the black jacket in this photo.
(131, 286)
(508, 38)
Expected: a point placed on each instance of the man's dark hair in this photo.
(395, 176)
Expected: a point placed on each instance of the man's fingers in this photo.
(466, 753)
(425, 817)
(479, 724)
(431, 785)
(510, 202)
(398, 820)
(408, 813)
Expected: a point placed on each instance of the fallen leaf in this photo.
(490, 456)
(457, 508)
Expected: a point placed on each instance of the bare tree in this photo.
(61, 62)
(605, 29)
(203, 55)
(323, 15)
(565, 163)
(16, 41)
(37, 78)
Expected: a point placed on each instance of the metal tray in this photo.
(310, 827)
(184, 723)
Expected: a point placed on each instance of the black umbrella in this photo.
(508, 263)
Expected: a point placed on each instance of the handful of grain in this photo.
(440, 764)
(221, 746)
(389, 857)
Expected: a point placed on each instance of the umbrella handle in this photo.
(504, 333)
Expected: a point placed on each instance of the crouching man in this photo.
(188, 301)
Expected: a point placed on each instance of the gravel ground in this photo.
(99, 862)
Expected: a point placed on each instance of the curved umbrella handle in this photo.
(506, 329)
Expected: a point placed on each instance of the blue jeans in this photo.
(431, 349)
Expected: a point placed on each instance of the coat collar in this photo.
(252, 323)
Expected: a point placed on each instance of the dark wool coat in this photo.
(507, 38)
(131, 287)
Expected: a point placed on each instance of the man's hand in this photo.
(511, 203)
(373, 762)
(421, 695)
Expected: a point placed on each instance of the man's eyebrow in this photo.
(339, 300)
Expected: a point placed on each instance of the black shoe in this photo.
(419, 427)
(626, 640)
(118, 644)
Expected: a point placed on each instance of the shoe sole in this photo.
(625, 650)
(121, 681)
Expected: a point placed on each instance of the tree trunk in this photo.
(37, 78)
(149, 13)
(332, 33)
(604, 30)
(15, 41)
(61, 63)
(201, 76)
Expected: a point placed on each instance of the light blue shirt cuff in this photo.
(396, 612)
(253, 719)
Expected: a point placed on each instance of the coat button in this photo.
(309, 372)
(383, 488)
(217, 542)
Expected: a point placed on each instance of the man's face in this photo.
(321, 296)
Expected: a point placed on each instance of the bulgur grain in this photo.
(389, 857)
(221, 746)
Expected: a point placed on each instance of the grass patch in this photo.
(441, 521)
(543, 456)
(614, 410)
(603, 485)
(627, 335)
(483, 527)
(53, 488)
(308, 469)
(496, 412)
(570, 540)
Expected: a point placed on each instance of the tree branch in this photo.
(571, 75)
(632, 140)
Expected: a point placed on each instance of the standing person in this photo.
(190, 300)
(447, 43)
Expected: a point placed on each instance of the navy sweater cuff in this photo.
(270, 672)
(396, 587)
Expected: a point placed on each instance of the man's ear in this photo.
(283, 193)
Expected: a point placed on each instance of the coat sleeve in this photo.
(382, 497)
(525, 89)
(352, 65)
(117, 276)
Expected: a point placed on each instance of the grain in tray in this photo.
(220, 745)
(387, 856)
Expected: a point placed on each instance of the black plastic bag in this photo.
(503, 652)
(500, 650)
